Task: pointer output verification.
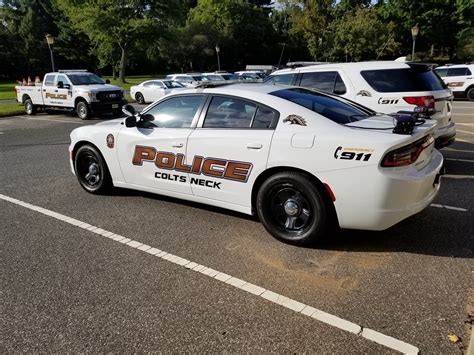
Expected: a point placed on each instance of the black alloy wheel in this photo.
(139, 97)
(292, 209)
(91, 170)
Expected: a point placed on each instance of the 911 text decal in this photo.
(213, 167)
(362, 154)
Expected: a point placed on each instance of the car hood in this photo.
(114, 122)
(98, 87)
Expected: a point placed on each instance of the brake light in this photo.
(420, 101)
(408, 154)
(456, 84)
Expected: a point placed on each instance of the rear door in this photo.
(457, 78)
(233, 141)
(50, 90)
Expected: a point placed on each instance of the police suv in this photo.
(301, 160)
(459, 78)
(383, 86)
(73, 90)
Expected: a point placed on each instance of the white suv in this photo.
(382, 86)
(459, 78)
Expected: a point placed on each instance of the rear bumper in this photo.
(384, 199)
(445, 136)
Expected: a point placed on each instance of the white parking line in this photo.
(449, 207)
(452, 176)
(463, 160)
(53, 120)
(243, 285)
(465, 124)
(459, 150)
(458, 130)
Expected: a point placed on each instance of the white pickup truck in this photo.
(73, 90)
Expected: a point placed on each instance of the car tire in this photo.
(470, 94)
(91, 170)
(30, 109)
(139, 97)
(292, 209)
(83, 111)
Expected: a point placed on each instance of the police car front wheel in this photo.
(91, 170)
(292, 209)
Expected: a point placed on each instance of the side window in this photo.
(264, 118)
(319, 80)
(158, 84)
(284, 79)
(49, 80)
(148, 84)
(441, 72)
(63, 79)
(468, 71)
(339, 86)
(176, 112)
(457, 72)
(228, 112)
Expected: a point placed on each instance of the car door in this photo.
(232, 141)
(64, 94)
(49, 90)
(456, 78)
(158, 90)
(152, 155)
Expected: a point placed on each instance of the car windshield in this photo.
(229, 76)
(415, 78)
(85, 79)
(173, 84)
(214, 77)
(330, 107)
(197, 78)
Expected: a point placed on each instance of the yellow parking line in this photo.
(464, 141)
(458, 130)
(459, 150)
(465, 124)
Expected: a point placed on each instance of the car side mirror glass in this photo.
(131, 121)
(60, 85)
(129, 110)
(107, 81)
(148, 117)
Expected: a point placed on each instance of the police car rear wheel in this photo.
(82, 110)
(91, 170)
(470, 94)
(292, 209)
(139, 97)
(30, 109)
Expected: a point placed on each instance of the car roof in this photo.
(351, 65)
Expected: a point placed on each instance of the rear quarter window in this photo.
(459, 71)
(283, 79)
(403, 79)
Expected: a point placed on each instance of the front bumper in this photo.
(374, 201)
(108, 106)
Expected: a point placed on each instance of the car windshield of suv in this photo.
(330, 107)
(85, 79)
(415, 78)
(173, 84)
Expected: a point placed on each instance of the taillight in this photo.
(456, 84)
(420, 101)
(408, 154)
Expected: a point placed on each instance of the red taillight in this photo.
(408, 154)
(420, 101)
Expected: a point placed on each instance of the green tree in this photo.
(123, 24)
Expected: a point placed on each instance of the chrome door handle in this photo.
(254, 146)
(177, 145)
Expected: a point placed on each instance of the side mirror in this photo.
(131, 121)
(148, 117)
(107, 81)
(129, 110)
(60, 85)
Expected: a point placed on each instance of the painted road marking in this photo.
(243, 285)
(459, 150)
(465, 124)
(458, 130)
(449, 207)
(452, 176)
(463, 140)
(463, 160)
(463, 114)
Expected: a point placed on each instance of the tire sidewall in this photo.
(318, 225)
(140, 98)
(82, 110)
(470, 94)
(29, 107)
(104, 182)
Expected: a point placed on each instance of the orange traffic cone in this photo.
(29, 82)
(24, 82)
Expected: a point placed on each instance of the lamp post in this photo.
(218, 59)
(50, 41)
(414, 33)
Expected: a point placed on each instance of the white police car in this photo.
(459, 78)
(299, 159)
(383, 86)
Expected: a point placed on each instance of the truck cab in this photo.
(73, 90)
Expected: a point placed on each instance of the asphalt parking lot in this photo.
(82, 285)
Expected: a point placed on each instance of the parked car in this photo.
(250, 75)
(72, 90)
(152, 90)
(222, 75)
(301, 160)
(383, 86)
(459, 78)
(186, 79)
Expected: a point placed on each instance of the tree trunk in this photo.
(114, 72)
(123, 60)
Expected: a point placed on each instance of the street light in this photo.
(414, 33)
(218, 59)
(50, 41)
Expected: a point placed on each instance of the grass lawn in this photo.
(132, 80)
(7, 89)
(11, 109)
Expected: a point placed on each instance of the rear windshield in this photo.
(415, 78)
(330, 107)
